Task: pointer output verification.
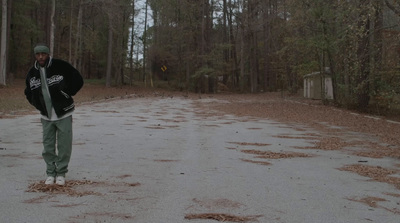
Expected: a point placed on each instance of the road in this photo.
(169, 160)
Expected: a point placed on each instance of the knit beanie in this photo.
(41, 49)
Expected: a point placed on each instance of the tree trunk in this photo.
(110, 51)
(225, 41)
(80, 39)
(242, 58)
(3, 55)
(202, 45)
(376, 40)
(244, 45)
(9, 76)
(233, 43)
(363, 53)
(52, 26)
(253, 46)
(70, 33)
(145, 44)
(78, 35)
(132, 39)
(266, 28)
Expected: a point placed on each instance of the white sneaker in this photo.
(49, 180)
(60, 180)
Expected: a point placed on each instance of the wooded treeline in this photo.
(207, 45)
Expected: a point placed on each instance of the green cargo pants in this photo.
(57, 134)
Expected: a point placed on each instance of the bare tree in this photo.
(70, 33)
(253, 40)
(78, 34)
(132, 43)
(3, 55)
(145, 45)
(110, 51)
(52, 26)
(233, 44)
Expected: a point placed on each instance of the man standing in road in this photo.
(50, 85)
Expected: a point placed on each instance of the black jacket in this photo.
(63, 81)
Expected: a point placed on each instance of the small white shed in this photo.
(318, 86)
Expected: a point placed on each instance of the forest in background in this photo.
(208, 45)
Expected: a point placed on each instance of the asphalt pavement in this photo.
(157, 160)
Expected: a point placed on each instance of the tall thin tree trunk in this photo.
(203, 44)
(78, 35)
(52, 26)
(145, 44)
(266, 28)
(225, 41)
(80, 39)
(363, 53)
(253, 63)
(242, 58)
(70, 33)
(122, 54)
(253, 46)
(137, 57)
(3, 55)
(233, 43)
(109, 53)
(10, 76)
(273, 76)
(376, 40)
(132, 38)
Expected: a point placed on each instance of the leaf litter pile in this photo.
(267, 154)
(68, 188)
(370, 201)
(221, 217)
(71, 187)
(256, 162)
(376, 173)
(275, 155)
(250, 144)
(327, 143)
(373, 202)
